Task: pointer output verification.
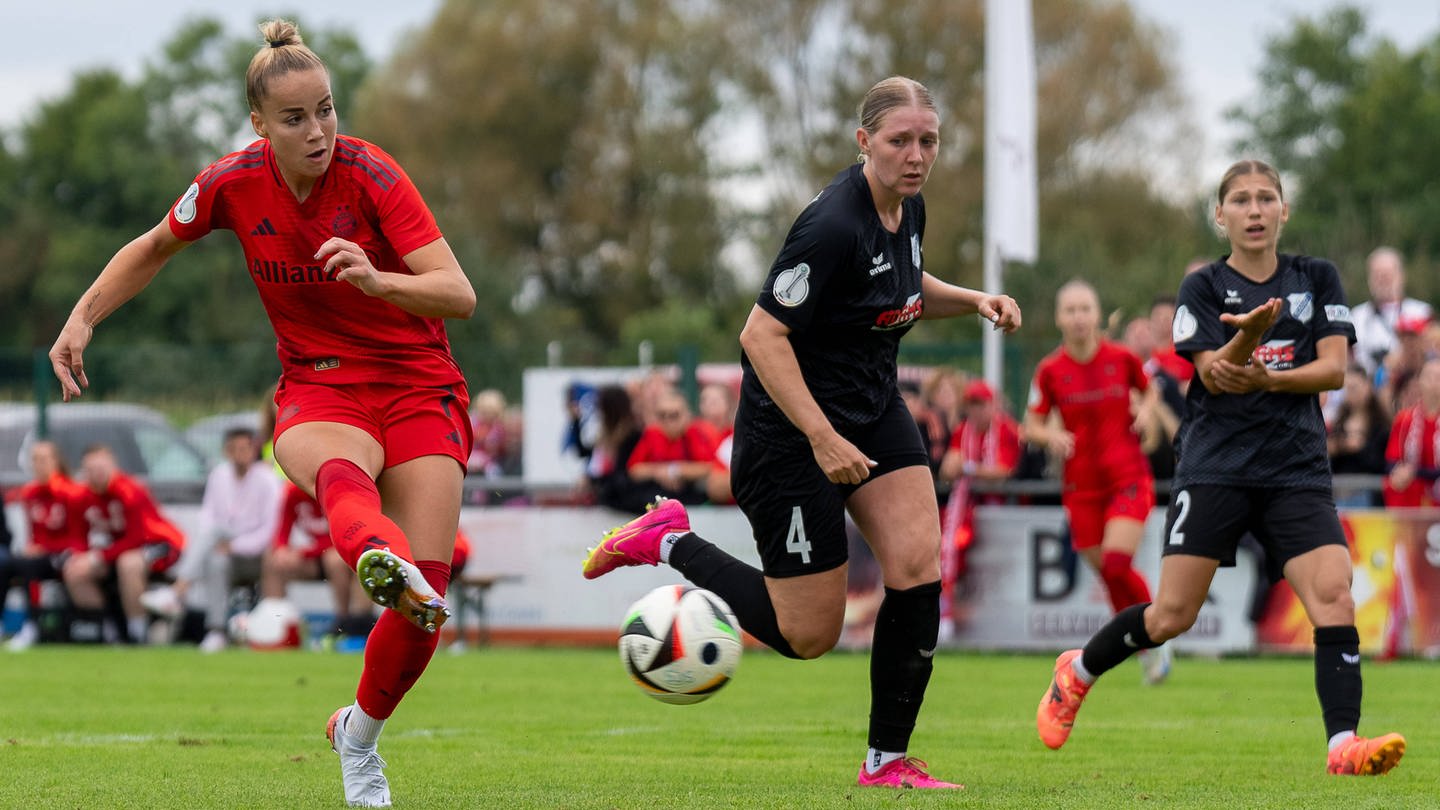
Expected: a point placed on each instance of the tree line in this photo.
(624, 170)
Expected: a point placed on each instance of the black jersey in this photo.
(848, 290)
(1260, 439)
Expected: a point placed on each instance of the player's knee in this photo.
(812, 642)
(1166, 621)
(812, 648)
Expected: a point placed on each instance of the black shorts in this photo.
(795, 512)
(1208, 520)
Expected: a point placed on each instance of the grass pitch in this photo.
(551, 728)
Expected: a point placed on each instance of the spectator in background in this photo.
(645, 394)
(606, 478)
(1164, 357)
(54, 508)
(237, 519)
(1138, 337)
(717, 408)
(942, 391)
(1358, 436)
(1413, 452)
(487, 420)
(932, 429)
(130, 540)
(1402, 364)
(985, 446)
(1377, 321)
(674, 456)
(286, 561)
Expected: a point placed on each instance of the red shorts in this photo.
(1090, 510)
(407, 421)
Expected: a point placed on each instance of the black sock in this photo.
(1337, 677)
(1121, 637)
(901, 658)
(741, 586)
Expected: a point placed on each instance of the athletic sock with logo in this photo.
(902, 652)
(1121, 637)
(397, 652)
(1337, 677)
(352, 505)
(741, 586)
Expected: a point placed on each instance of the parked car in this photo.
(144, 442)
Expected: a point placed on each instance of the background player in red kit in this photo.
(1101, 392)
(54, 507)
(1413, 454)
(129, 541)
(356, 278)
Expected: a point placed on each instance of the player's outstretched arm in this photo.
(945, 300)
(124, 276)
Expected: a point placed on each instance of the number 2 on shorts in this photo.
(795, 541)
(1182, 502)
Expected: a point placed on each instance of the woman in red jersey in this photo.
(357, 279)
(55, 512)
(1103, 398)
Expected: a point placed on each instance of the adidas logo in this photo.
(264, 228)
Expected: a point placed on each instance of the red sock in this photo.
(397, 652)
(1124, 583)
(352, 505)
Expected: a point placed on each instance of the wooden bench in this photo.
(467, 594)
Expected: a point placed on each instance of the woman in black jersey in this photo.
(1267, 333)
(822, 429)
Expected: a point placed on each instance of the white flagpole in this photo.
(1011, 205)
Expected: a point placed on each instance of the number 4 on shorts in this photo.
(795, 541)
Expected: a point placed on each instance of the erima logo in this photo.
(1350, 659)
(185, 209)
(1233, 297)
(1130, 642)
(927, 653)
(792, 286)
(878, 267)
(264, 228)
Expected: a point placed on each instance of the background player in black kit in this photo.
(1267, 332)
(822, 428)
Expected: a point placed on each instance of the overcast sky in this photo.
(1219, 43)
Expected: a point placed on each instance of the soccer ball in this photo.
(680, 644)
(274, 624)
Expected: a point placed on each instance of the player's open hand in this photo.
(1000, 310)
(1258, 320)
(67, 357)
(1061, 442)
(842, 462)
(346, 261)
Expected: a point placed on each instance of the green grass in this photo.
(549, 728)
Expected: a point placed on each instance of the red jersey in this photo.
(998, 445)
(1415, 440)
(697, 443)
(299, 509)
(327, 331)
(1094, 403)
(55, 510)
(125, 517)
